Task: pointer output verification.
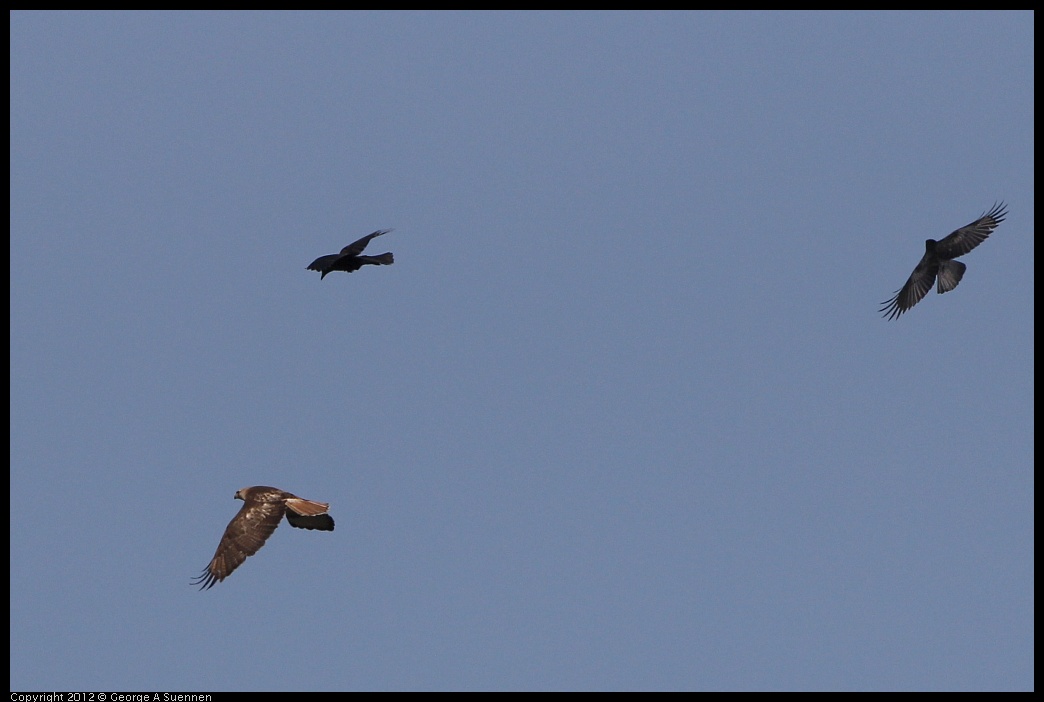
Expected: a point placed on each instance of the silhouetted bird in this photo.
(349, 259)
(938, 262)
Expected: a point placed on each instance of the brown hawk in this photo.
(247, 532)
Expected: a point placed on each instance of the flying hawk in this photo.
(938, 262)
(256, 521)
(349, 259)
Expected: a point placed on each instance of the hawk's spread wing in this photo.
(969, 236)
(245, 534)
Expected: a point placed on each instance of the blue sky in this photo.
(623, 414)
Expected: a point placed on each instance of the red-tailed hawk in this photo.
(938, 262)
(259, 517)
(349, 259)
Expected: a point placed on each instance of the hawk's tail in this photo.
(308, 514)
(306, 508)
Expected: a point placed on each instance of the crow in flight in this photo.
(349, 259)
(938, 262)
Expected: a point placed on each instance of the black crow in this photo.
(938, 262)
(349, 259)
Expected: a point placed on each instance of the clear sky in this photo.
(622, 415)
